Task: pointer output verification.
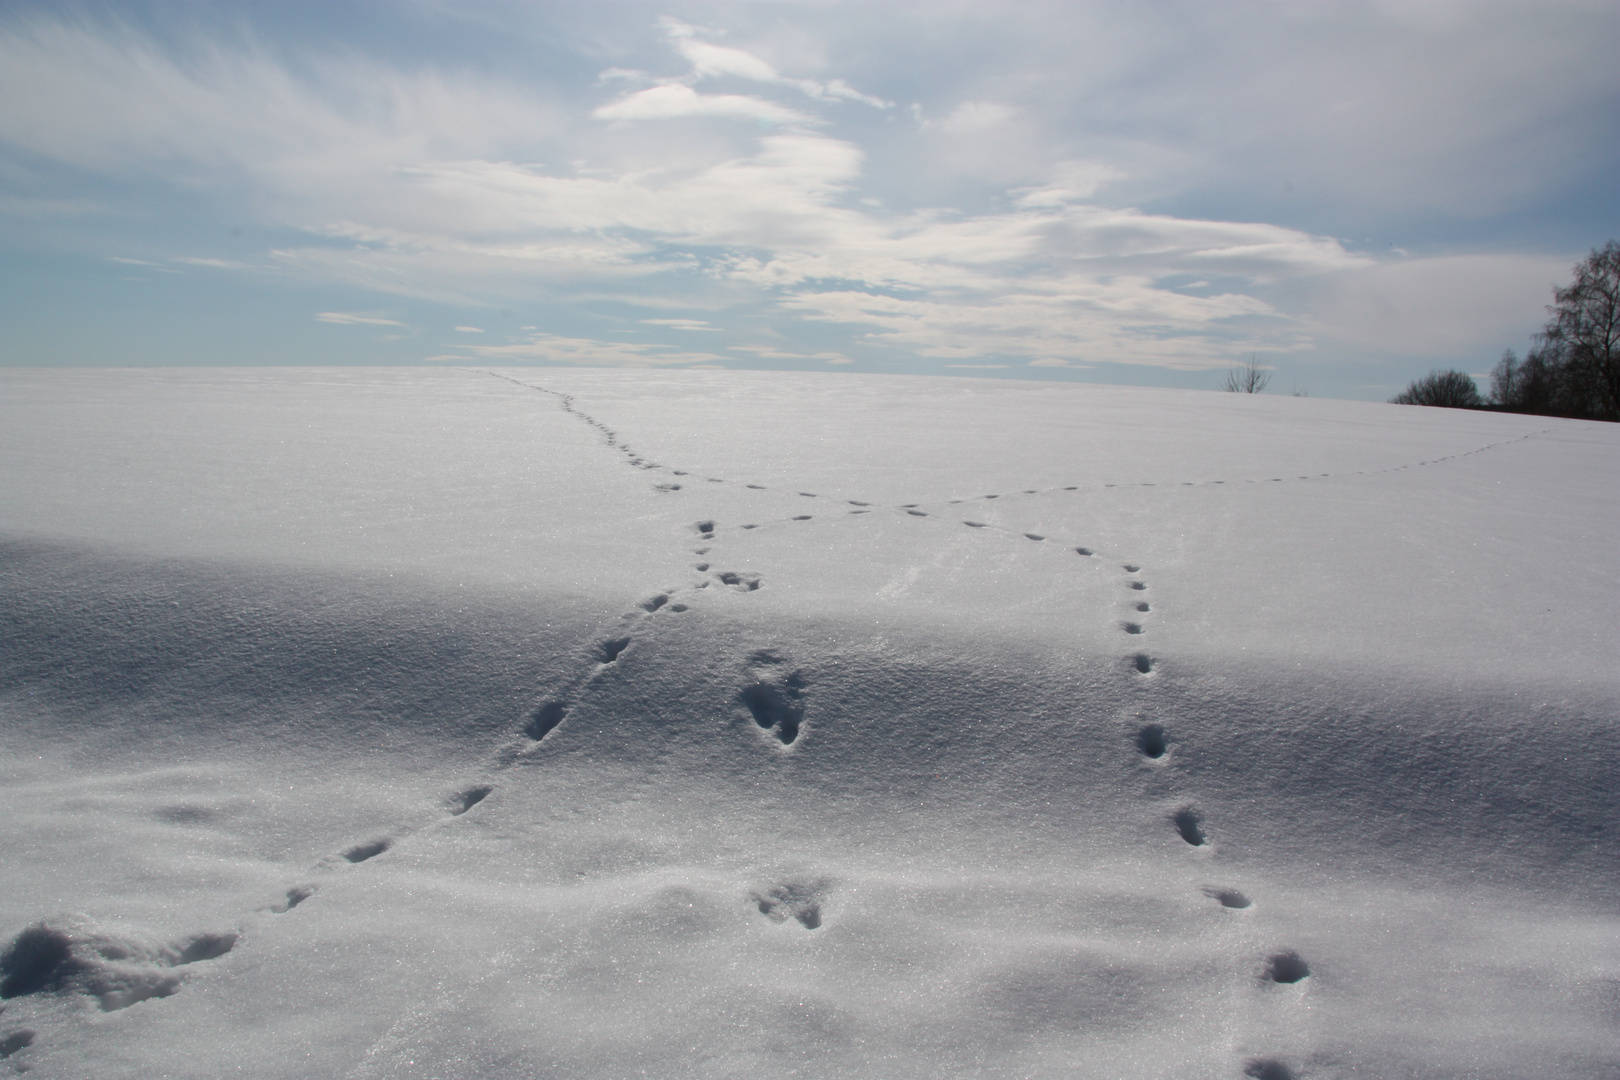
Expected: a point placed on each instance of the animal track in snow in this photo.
(1084, 551)
(1229, 898)
(368, 849)
(1153, 740)
(1267, 1069)
(655, 603)
(1143, 663)
(794, 900)
(73, 955)
(706, 528)
(802, 517)
(1286, 967)
(1190, 826)
(1136, 585)
(773, 699)
(463, 801)
(974, 524)
(740, 582)
(1131, 628)
(295, 896)
(916, 513)
(17, 1040)
(544, 719)
(608, 651)
(1034, 536)
(1144, 607)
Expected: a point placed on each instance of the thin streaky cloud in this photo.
(354, 318)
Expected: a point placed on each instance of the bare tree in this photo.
(1251, 378)
(1585, 329)
(1574, 368)
(1447, 389)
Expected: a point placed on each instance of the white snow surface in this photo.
(557, 723)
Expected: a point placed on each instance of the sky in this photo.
(1349, 194)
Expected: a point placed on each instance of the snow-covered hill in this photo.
(703, 724)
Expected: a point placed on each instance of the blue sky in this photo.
(1353, 193)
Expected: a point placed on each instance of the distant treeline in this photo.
(1572, 370)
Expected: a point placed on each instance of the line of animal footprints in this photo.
(639, 462)
(1284, 967)
(71, 954)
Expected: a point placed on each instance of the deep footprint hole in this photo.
(608, 651)
(295, 896)
(370, 849)
(543, 719)
(1286, 967)
(1190, 826)
(1153, 740)
(1229, 898)
(775, 708)
(1267, 1069)
(17, 1040)
(466, 800)
(31, 962)
(1143, 663)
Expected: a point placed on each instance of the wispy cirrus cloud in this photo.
(542, 348)
(731, 183)
(355, 318)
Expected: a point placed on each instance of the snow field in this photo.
(581, 762)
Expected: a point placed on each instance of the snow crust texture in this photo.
(688, 724)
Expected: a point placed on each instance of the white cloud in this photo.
(770, 352)
(1069, 181)
(459, 188)
(711, 61)
(355, 318)
(217, 264)
(553, 349)
(673, 100)
(469, 330)
(681, 324)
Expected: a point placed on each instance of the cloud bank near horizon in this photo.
(742, 180)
